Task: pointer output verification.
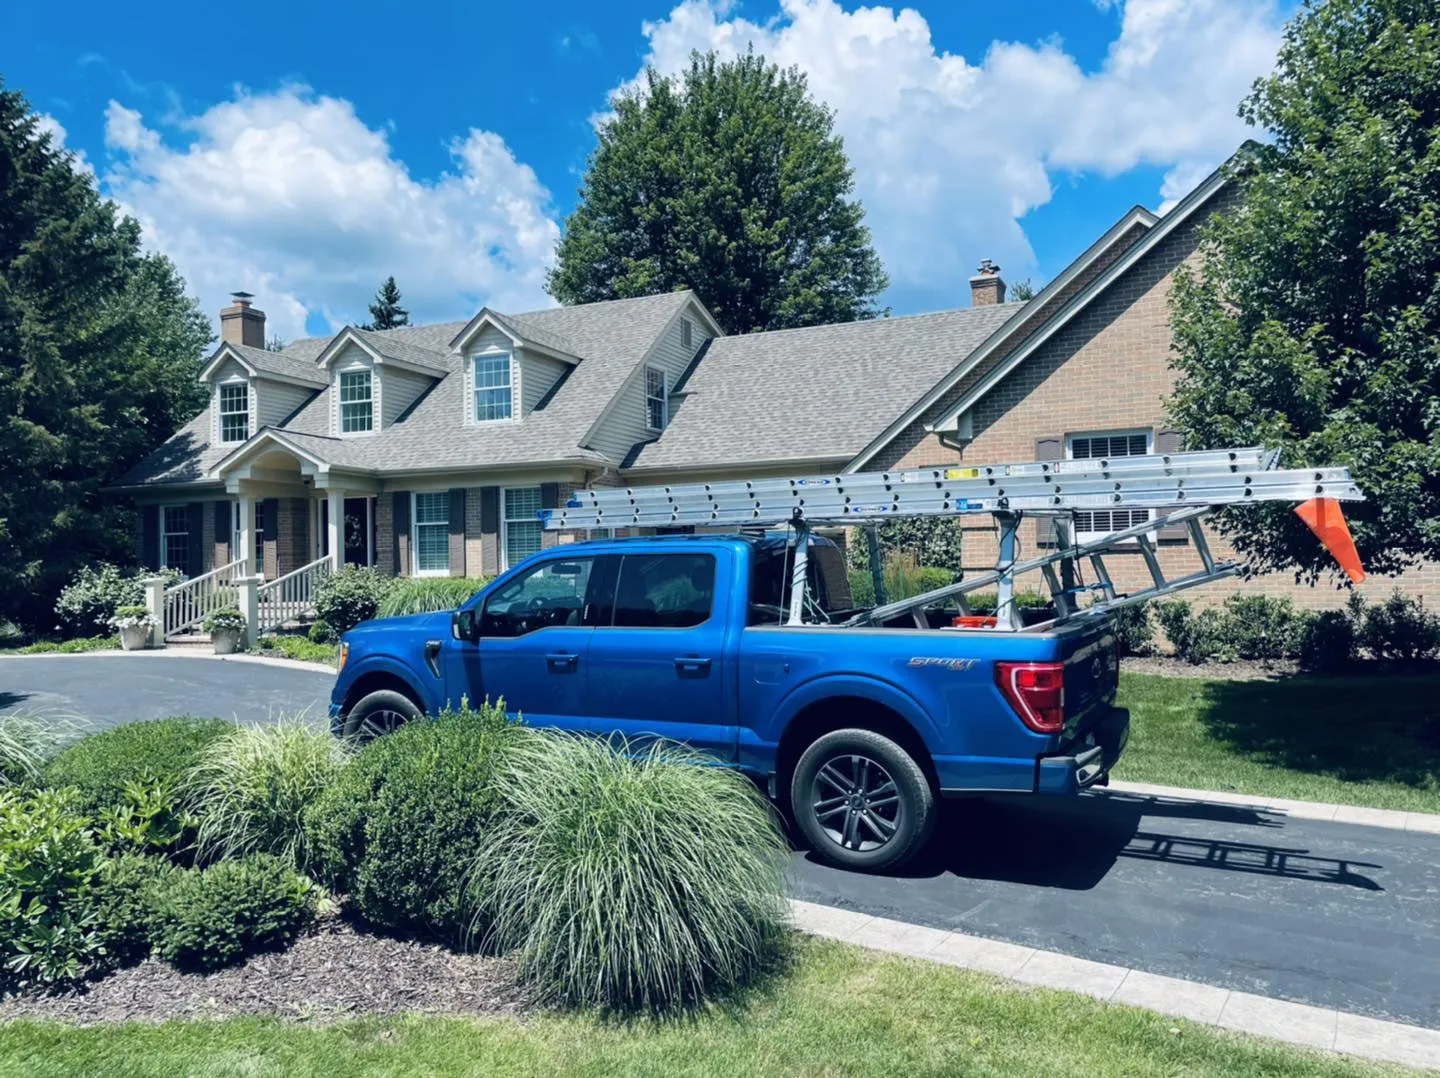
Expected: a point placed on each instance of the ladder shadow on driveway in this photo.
(1073, 844)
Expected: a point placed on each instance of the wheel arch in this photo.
(376, 680)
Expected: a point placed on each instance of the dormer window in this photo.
(357, 411)
(493, 398)
(657, 398)
(234, 412)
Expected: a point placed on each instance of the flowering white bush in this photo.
(131, 616)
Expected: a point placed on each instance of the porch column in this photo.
(336, 526)
(245, 506)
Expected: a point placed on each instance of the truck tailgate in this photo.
(1092, 673)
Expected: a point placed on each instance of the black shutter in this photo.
(222, 529)
(194, 534)
(1171, 441)
(1050, 447)
(400, 505)
(549, 495)
(272, 521)
(150, 536)
(490, 509)
(457, 531)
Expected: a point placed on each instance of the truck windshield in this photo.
(829, 587)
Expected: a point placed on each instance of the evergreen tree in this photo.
(1315, 325)
(386, 312)
(728, 180)
(99, 352)
(1022, 290)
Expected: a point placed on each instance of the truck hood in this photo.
(435, 623)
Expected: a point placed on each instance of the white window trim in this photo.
(415, 525)
(474, 360)
(220, 416)
(163, 554)
(664, 397)
(505, 521)
(340, 430)
(1123, 432)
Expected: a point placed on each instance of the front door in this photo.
(359, 532)
(659, 668)
(534, 645)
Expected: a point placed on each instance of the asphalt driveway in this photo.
(1335, 915)
(106, 690)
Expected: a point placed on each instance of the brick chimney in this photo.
(241, 323)
(987, 287)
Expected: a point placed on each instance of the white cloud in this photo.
(950, 153)
(1181, 180)
(56, 130)
(291, 196)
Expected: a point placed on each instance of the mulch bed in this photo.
(1167, 666)
(335, 972)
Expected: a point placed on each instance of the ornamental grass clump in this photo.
(249, 790)
(630, 877)
(26, 741)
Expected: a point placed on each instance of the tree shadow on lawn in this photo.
(1073, 843)
(1357, 729)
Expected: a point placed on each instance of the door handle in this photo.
(692, 662)
(562, 658)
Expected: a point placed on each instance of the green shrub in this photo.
(630, 877)
(1400, 630)
(250, 789)
(149, 818)
(206, 919)
(1326, 641)
(862, 587)
(93, 595)
(424, 595)
(299, 648)
(1196, 638)
(125, 895)
(1261, 627)
(11, 635)
(1134, 631)
(346, 598)
(71, 647)
(321, 633)
(48, 856)
(933, 541)
(102, 765)
(399, 829)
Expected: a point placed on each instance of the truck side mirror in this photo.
(465, 624)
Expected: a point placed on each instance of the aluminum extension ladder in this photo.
(1181, 489)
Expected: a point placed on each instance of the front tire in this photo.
(862, 801)
(377, 714)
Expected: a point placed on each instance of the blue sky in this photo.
(304, 152)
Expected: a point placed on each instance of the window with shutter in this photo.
(1092, 524)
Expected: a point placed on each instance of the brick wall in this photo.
(207, 538)
(292, 540)
(385, 535)
(1107, 370)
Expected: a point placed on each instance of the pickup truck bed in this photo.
(855, 730)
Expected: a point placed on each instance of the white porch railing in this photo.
(191, 601)
(291, 596)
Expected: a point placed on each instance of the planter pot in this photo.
(135, 637)
(226, 641)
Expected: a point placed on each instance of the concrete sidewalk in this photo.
(1294, 1023)
(1425, 822)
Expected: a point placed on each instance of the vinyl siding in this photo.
(273, 401)
(400, 391)
(540, 373)
(626, 422)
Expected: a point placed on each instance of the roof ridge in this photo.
(890, 321)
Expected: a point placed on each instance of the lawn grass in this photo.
(1371, 741)
(841, 1012)
(297, 647)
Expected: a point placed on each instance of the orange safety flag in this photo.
(1324, 517)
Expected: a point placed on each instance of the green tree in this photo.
(386, 312)
(1022, 290)
(728, 180)
(1315, 324)
(99, 352)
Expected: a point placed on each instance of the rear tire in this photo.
(377, 714)
(862, 801)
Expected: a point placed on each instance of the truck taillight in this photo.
(1037, 693)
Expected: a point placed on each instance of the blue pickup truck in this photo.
(856, 731)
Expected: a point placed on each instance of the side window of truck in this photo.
(665, 591)
(553, 593)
